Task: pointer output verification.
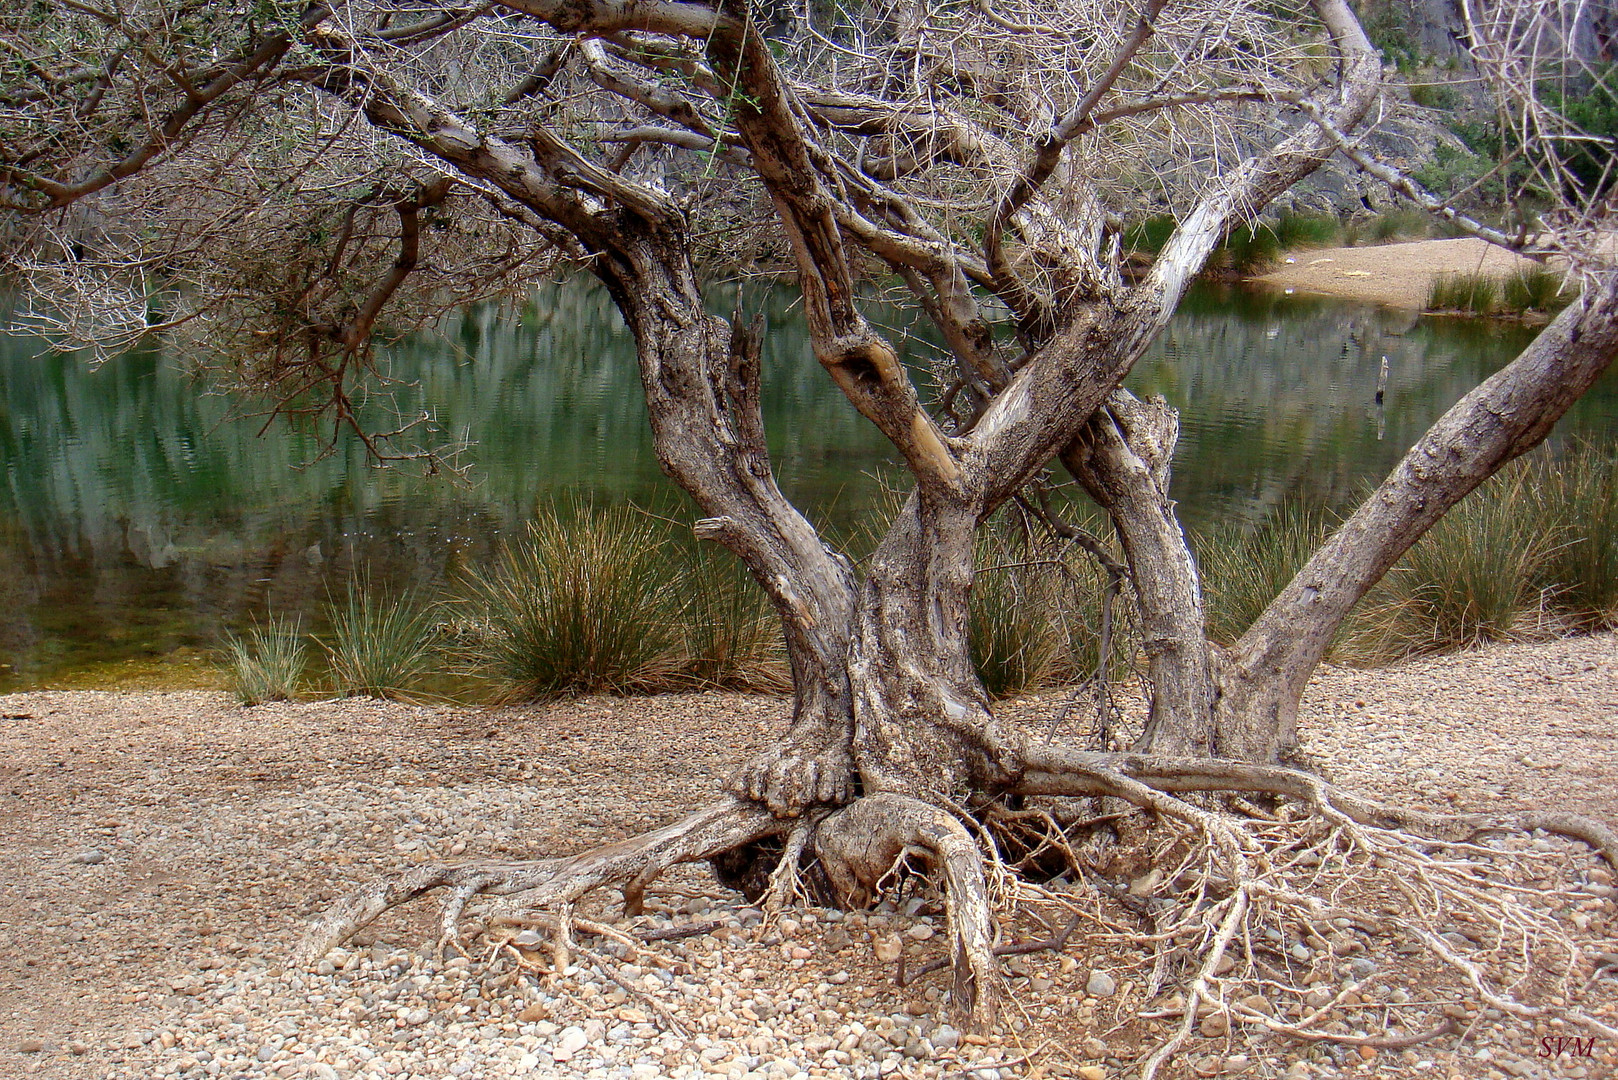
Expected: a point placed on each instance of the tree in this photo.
(278, 184)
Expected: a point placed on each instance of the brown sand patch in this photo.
(1398, 275)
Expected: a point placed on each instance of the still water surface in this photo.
(141, 517)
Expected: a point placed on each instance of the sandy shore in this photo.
(160, 854)
(1398, 275)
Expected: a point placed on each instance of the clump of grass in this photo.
(1246, 250)
(586, 603)
(1533, 289)
(1476, 294)
(379, 647)
(1398, 224)
(1016, 644)
(1294, 230)
(1531, 554)
(1243, 570)
(732, 636)
(1035, 615)
(1475, 578)
(1576, 498)
(1435, 95)
(266, 663)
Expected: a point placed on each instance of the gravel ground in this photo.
(162, 853)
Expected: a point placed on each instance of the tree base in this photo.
(1256, 889)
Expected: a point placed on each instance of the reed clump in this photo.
(1472, 580)
(1017, 602)
(1576, 500)
(1147, 236)
(1295, 231)
(379, 646)
(1534, 289)
(610, 601)
(1464, 293)
(1530, 555)
(730, 635)
(1400, 223)
(1040, 613)
(1537, 288)
(266, 663)
(1243, 568)
(583, 604)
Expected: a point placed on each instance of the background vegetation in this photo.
(615, 601)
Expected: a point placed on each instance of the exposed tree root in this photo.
(1290, 870)
(785, 882)
(1234, 911)
(860, 846)
(1050, 944)
(1226, 884)
(633, 863)
(1054, 770)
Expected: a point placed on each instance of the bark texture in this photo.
(1122, 459)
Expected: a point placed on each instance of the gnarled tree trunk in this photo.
(1242, 703)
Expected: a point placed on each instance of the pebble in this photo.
(569, 1043)
(1259, 1003)
(1100, 984)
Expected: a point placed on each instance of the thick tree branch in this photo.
(864, 365)
(353, 334)
(650, 96)
(596, 18)
(1509, 414)
(1122, 459)
(1253, 184)
(1407, 186)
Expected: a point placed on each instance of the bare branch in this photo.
(1048, 153)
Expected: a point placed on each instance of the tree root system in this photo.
(1249, 897)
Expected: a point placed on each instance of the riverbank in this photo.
(1396, 275)
(163, 851)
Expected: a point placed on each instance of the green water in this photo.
(142, 517)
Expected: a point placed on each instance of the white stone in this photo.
(569, 1042)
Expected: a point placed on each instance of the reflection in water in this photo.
(139, 515)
